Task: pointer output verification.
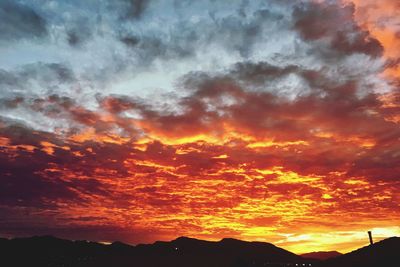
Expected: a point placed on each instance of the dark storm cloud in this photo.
(18, 21)
(332, 21)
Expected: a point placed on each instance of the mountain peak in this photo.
(184, 238)
(119, 244)
(232, 240)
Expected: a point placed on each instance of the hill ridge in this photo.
(182, 251)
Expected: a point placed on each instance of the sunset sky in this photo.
(145, 120)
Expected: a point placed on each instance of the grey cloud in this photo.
(8, 80)
(11, 103)
(260, 72)
(19, 21)
(264, 76)
(136, 7)
(188, 38)
(78, 34)
(327, 20)
(47, 75)
(131, 47)
(130, 41)
(130, 9)
(22, 88)
(47, 72)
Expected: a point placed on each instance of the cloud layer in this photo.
(141, 120)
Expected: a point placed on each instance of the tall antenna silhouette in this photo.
(370, 238)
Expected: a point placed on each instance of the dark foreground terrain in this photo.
(47, 251)
(321, 255)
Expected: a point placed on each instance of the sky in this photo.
(145, 120)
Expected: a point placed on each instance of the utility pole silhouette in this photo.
(370, 238)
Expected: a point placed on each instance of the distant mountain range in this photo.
(47, 251)
(321, 255)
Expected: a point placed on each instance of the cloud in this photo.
(334, 22)
(136, 7)
(211, 119)
(79, 33)
(20, 22)
(35, 77)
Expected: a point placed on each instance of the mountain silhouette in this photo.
(51, 252)
(385, 253)
(48, 251)
(186, 251)
(321, 255)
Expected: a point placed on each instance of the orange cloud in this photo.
(308, 172)
(382, 20)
